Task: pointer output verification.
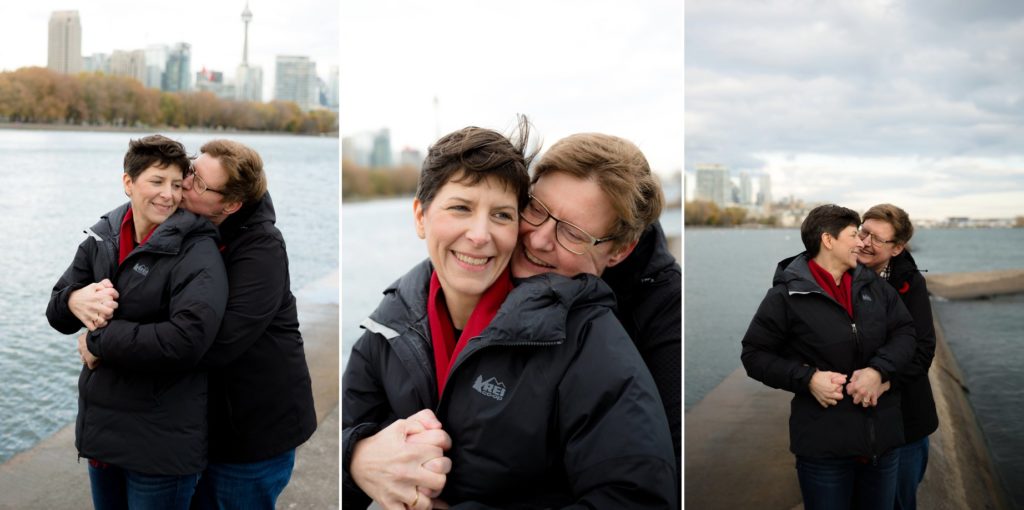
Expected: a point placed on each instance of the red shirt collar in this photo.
(841, 293)
(442, 334)
(127, 236)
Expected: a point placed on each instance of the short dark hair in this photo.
(247, 183)
(829, 218)
(473, 154)
(619, 168)
(903, 229)
(154, 150)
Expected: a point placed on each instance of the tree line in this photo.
(38, 95)
(708, 214)
(360, 182)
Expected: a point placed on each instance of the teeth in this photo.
(535, 260)
(471, 260)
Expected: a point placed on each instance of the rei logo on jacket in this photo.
(489, 388)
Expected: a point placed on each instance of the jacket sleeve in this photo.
(617, 446)
(661, 345)
(198, 295)
(893, 357)
(257, 284)
(77, 275)
(765, 341)
(920, 308)
(365, 411)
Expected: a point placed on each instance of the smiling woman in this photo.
(142, 405)
(535, 381)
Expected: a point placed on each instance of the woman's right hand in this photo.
(94, 304)
(403, 466)
(827, 387)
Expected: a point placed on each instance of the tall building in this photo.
(764, 194)
(178, 72)
(156, 64)
(129, 63)
(713, 183)
(333, 88)
(64, 50)
(248, 79)
(746, 189)
(295, 80)
(380, 157)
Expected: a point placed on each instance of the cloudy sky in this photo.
(920, 102)
(571, 66)
(213, 28)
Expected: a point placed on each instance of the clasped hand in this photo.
(93, 305)
(865, 387)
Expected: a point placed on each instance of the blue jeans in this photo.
(249, 486)
(847, 482)
(913, 462)
(114, 488)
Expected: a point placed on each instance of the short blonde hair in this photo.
(619, 169)
(246, 181)
(898, 218)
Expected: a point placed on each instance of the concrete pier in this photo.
(736, 452)
(50, 476)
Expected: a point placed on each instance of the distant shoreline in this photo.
(35, 126)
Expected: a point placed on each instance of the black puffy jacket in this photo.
(919, 416)
(648, 294)
(144, 407)
(261, 398)
(549, 407)
(799, 328)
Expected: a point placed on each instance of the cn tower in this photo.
(246, 18)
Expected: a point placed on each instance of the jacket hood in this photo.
(250, 215)
(794, 273)
(167, 237)
(649, 260)
(535, 311)
(902, 267)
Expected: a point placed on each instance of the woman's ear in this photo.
(622, 253)
(826, 240)
(417, 215)
(127, 180)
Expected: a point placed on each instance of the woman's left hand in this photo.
(87, 357)
(865, 387)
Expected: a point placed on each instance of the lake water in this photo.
(378, 245)
(53, 184)
(728, 272)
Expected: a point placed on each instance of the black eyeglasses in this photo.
(569, 236)
(198, 183)
(875, 241)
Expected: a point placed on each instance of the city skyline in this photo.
(215, 32)
(914, 103)
(423, 70)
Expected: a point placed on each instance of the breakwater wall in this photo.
(737, 440)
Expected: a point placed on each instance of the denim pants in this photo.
(913, 462)
(114, 488)
(848, 482)
(249, 486)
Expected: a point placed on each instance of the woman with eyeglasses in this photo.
(156, 309)
(531, 386)
(594, 208)
(886, 231)
(832, 333)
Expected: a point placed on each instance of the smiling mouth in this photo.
(473, 261)
(535, 261)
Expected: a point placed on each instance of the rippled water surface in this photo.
(54, 184)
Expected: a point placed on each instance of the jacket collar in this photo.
(796, 276)
(535, 312)
(261, 211)
(649, 261)
(167, 238)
